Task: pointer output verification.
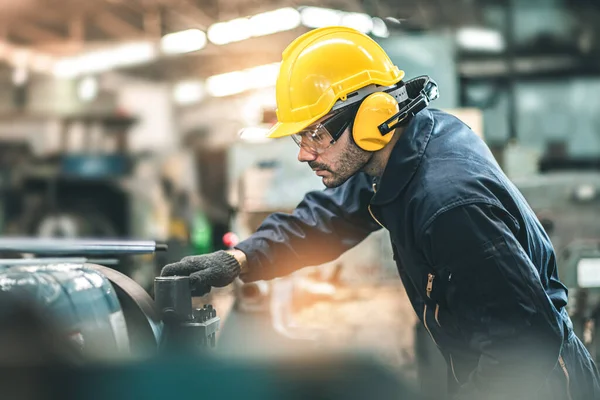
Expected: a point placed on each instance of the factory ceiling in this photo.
(48, 35)
(41, 31)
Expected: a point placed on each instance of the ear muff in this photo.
(373, 111)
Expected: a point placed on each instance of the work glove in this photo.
(216, 269)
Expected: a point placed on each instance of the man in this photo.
(477, 266)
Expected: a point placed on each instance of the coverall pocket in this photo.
(486, 294)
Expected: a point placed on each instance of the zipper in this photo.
(373, 216)
(452, 368)
(566, 372)
(430, 278)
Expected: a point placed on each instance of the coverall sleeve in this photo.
(323, 226)
(495, 297)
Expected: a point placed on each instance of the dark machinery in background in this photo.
(75, 192)
(567, 205)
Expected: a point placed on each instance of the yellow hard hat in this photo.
(323, 66)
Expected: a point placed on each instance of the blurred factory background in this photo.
(145, 119)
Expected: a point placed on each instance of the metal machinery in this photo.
(163, 341)
(88, 187)
(104, 312)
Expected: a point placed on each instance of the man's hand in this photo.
(217, 269)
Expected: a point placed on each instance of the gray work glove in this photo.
(217, 269)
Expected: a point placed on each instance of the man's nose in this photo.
(306, 156)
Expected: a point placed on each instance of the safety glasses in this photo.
(321, 136)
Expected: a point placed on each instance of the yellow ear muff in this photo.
(374, 110)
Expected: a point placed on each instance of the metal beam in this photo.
(115, 26)
(77, 28)
(191, 14)
(153, 22)
(33, 33)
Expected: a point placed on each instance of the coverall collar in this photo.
(405, 158)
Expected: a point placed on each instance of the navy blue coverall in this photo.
(477, 265)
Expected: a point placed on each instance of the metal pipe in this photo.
(14, 262)
(78, 246)
(11, 262)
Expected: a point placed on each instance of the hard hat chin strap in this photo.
(418, 92)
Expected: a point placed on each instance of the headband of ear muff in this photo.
(379, 113)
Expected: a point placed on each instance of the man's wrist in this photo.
(241, 258)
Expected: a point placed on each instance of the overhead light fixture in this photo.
(263, 76)
(380, 28)
(25, 58)
(41, 63)
(183, 41)
(105, 60)
(240, 81)
(267, 23)
(20, 57)
(361, 22)
(87, 89)
(188, 92)
(317, 17)
(254, 134)
(20, 76)
(66, 68)
(231, 31)
(227, 84)
(262, 24)
(480, 39)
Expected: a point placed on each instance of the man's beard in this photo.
(354, 161)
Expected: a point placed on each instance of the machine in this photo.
(105, 316)
(90, 186)
(103, 312)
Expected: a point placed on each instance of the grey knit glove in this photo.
(217, 269)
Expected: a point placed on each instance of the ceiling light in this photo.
(188, 92)
(131, 54)
(361, 22)
(317, 17)
(263, 76)
(266, 23)
(183, 41)
(240, 81)
(105, 60)
(88, 89)
(66, 68)
(20, 57)
(480, 39)
(254, 134)
(271, 22)
(20, 76)
(232, 31)
(41, 63)
(227, 84)
(380, 28)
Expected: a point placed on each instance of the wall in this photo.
(427, 54)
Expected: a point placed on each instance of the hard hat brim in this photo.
(283, 129)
